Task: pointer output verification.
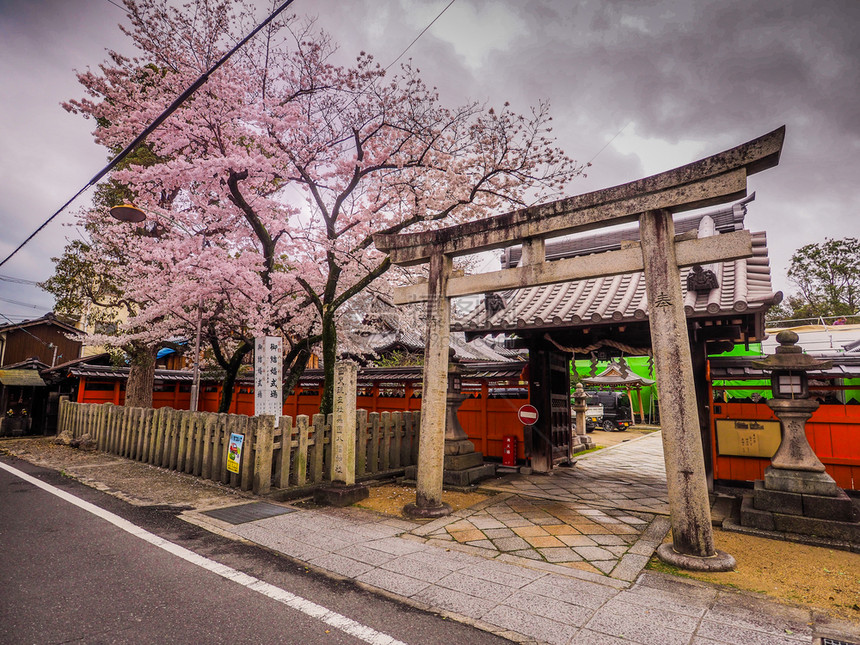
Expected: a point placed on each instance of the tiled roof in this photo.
(32, 363)
(478, 349)
(617, 374)
(739, 368)
(471, 371)
(100, 371)
(744, 285)
(491, 370)
(92, 359)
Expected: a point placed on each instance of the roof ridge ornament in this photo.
(702, 280)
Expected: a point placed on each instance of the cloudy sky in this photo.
(678, 79)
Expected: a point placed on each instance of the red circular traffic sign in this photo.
(528, 415)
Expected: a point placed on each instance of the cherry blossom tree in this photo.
(274, 176)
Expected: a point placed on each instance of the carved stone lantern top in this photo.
(789, 356)
(789, 366)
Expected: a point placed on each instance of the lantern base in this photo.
(803, 527)
(804, 482)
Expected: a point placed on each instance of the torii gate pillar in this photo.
(431, 440)
(693, 541)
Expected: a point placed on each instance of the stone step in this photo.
(798, 524)
(722, 508)
(838, 507)
(462, 462)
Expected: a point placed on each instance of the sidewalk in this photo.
(549, 559)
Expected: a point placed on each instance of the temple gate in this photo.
(652, 201)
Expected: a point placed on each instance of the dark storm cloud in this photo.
(668, 65)
(717, 73)
(681, 78)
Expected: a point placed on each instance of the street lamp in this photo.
(127, 213)
(132, 214)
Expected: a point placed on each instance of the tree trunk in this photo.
(329, 351)
(296, 362)
(231, 369)
(141, 376)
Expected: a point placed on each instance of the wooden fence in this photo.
(296, 455)
(495, 392)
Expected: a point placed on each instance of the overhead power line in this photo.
(179, 101)
(152, 126)
(608, 142)
(423, 31)
(9, 278)
(23, 304)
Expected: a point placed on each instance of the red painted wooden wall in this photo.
(833, 432)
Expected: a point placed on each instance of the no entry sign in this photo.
(528, 415)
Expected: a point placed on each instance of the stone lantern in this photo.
(581, 441)
(456, 441)
(463, 466)
(797, 495)
(795, 467)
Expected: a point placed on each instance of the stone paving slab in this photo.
(493, 565)
(604, 540)
(628, 476)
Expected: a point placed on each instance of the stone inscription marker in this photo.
(343, 424)
(652, 200)
(343, 490)
(268, 376)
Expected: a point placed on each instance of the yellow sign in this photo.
(234, 452)
(748, 437)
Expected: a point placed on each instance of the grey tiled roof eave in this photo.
(739, 368)
(745, 288)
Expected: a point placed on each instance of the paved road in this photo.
(68, 576)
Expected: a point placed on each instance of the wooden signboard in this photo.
(747, 438)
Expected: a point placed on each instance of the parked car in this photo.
(609, 411)
(593, 414)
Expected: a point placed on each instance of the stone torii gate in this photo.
(652, 201)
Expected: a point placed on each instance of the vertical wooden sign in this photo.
(268, 376)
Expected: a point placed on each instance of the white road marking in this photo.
(351, 627)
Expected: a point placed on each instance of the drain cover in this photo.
(248, 512)
(834, 641)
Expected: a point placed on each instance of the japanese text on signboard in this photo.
(268, 376)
